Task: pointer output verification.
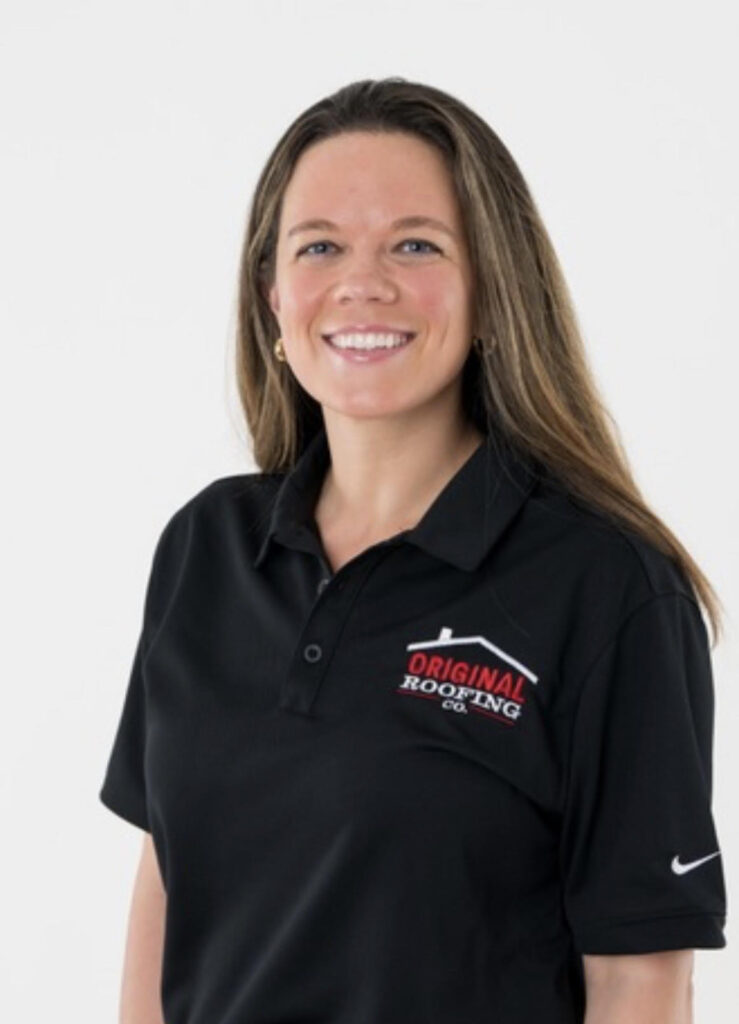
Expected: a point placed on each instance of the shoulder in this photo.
(591, 575)
(596, 542)
(243, 491)
(240, 501)
(589, 545)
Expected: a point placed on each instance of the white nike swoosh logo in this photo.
(680, 869)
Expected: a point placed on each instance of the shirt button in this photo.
(312, 652)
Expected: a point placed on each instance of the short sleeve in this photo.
(640, 857)
(124, 788)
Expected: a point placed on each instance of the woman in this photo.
(419, 723)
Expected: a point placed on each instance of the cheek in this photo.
(439, 295)
(301, 295)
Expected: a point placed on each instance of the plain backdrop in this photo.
(132, 135)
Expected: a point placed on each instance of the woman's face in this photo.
(365, 269)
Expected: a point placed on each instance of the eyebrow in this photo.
(415, 221)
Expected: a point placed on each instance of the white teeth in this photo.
(368, 341)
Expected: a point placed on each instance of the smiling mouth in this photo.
(362, 347)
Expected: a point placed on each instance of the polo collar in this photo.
(460, 526)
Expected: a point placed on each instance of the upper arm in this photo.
(149, 876)
(673, 963)
(641, 860)
(641, 986)
(141, 983)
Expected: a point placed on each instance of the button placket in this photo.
(322, 630)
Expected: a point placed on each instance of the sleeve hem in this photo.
(652, 935)
(124, 808)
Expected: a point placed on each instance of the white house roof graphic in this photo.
(445, 639)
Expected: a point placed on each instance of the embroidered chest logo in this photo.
(480, 679)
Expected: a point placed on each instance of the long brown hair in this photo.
(531, 379)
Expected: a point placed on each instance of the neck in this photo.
(384, 475)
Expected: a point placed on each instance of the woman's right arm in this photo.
(142, 969)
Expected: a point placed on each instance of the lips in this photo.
(360, 356)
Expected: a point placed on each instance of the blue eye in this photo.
(306, 248)
(421, 241)
(413, 241)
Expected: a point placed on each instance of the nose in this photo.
(364, 279)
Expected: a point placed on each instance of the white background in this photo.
(132, 136)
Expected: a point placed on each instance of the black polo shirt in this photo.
(419, 788)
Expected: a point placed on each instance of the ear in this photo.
(274, 299)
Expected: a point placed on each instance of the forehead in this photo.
(369, 178)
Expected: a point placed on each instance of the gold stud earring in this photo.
(279, 350)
